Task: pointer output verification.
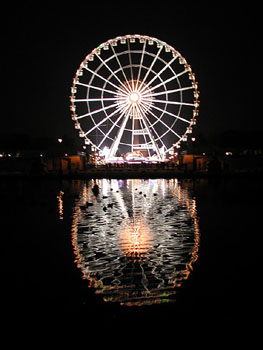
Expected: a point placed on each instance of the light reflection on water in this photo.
(137, 240)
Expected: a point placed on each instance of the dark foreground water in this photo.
(139, 249)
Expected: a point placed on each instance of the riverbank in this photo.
(77, 167)
(125, 173)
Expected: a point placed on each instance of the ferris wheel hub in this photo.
(134, 97)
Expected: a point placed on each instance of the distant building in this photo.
(194, 162)
(66, 164)
(43, 165)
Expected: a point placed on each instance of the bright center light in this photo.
(134, 97)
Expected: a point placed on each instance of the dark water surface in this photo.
(140, 248)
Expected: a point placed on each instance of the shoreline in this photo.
(131, 173)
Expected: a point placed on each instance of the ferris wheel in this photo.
(134, 94)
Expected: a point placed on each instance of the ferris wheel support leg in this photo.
(144, 120)
(117, 140)
(160, 158)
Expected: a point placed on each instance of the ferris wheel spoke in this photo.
(157, 75)
(141, 65)
(121, 68)
(150, 68)
(158, 136)
(117, 140)
(97, 88)
(113, 73)
(131, 65)
(160, 120)
(166, 81)
(97, 111)
(172, 102)
(168, 91)
(172, 114)
(95, 99)
(106, 135)
(147, 106)
(103, 120)
(147, 127)
(102, 78)
(141, 121)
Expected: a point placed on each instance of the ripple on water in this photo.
(138, 249)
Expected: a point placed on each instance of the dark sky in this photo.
(45, 45)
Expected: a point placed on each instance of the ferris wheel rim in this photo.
(125, 89)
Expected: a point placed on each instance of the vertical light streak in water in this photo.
(139, 240)
(60, 204)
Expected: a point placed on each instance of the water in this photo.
(138, 240)
(140, 248)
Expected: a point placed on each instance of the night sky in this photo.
(45, 45)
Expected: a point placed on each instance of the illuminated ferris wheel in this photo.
(134, 95)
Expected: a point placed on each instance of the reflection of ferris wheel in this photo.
(134, 93)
